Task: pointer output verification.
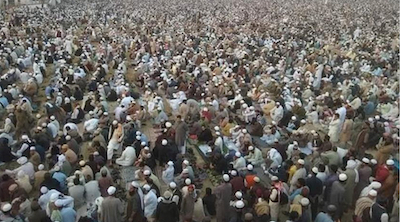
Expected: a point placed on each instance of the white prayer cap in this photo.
(91, 112)
(239, 204)
(147, 172)
(59, 203)
(138, 137)
(146, 148)
(304, 202)
(256, 179)
(32, 148)
(237, 154)
(44, 125)
(168, 124)
(234, 173)
(244, 131)
(295, 143)
(68, 137)
(82, 163)
(115, 122)
(170, 163)
(313, 131)
(365, 160)
(164, 142)
(389, 162)
(274, 178)
(40, 167)
(294, 118)
(300, 161)
(342, 177)
(376, 185)
(205, 109)
(38, 116)
(216, 128)
(373, 161)
(111, 190)
(188, 181)
(44, 190)
(128, 118)
(22, 160)
(146, 187)
(143, 143)
(370, 119)
(377, 117)
(372, 193)
(217, 133)
(314, 170)
(186, 162)
(105, 113)
(226, 178)
(251, 147)
(6, 207)
(273, 123)
(53, 197)
(39, 128)
(52, 117)
(138, 133)
(250, 167)
(24, 137)
(172, 185)
(135, 184)
(244, 105)
(278, 103)
(96, 153)
(303, 121)
(238, 195)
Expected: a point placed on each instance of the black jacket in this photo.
(167, 211)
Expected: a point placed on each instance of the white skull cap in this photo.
(146, 187)
(111, 190)
(250, 167)
(188, 181)
(304, 202)
(226, 178)
(172, 185)
(238, 195)
(44, 190)
(365, 160)
(342, 177)
(389, 162)
(237, 154)
(239, 204)
(234, 173)
(164, 142)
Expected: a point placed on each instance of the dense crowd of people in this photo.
(108, 107)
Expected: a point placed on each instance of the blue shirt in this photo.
(62, 179)
(68, 214)
(4, 101)
(323, 217)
